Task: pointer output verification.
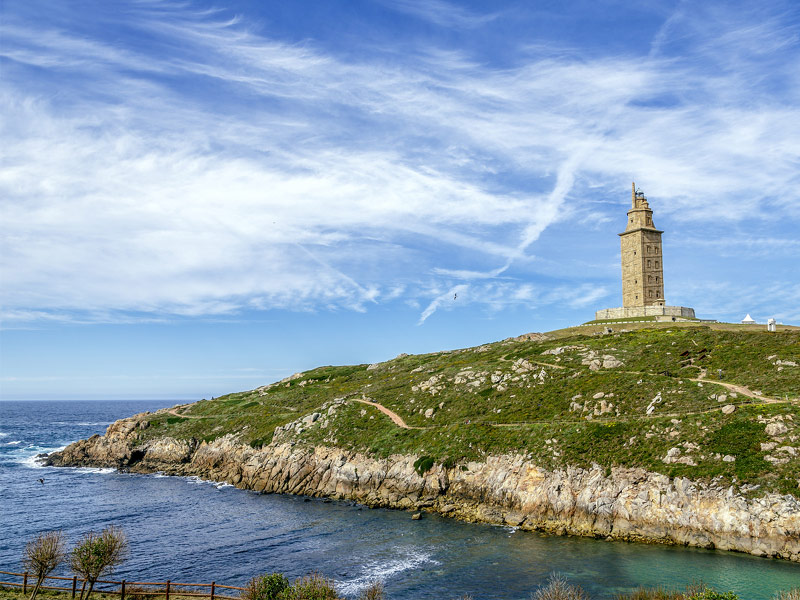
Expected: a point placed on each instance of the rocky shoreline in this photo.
(620, 503)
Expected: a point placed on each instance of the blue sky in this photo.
(204, 197)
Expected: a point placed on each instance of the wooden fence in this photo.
(126, 589)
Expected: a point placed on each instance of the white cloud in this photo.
(439, 12)
(301, 180)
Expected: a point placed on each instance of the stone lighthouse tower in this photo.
(642, 270)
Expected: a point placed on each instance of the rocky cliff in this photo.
(619, 503)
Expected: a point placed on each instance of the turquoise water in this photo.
(184, 529)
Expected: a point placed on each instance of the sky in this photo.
(201, 197)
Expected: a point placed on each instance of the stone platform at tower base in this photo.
(660, 313)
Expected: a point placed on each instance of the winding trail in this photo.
(174, 411)
(739, 389)
(398, 420)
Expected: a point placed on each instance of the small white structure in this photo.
(771, 325)
(748, 320)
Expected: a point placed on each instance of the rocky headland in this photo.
(637, 488)
(624, 504)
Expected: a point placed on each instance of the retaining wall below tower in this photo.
(624, 312)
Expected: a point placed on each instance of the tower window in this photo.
(651, 293)
(656, 264)
(658, 294)
(648, 263)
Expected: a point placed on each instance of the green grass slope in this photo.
(571, 397)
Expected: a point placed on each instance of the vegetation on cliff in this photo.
(652, 397)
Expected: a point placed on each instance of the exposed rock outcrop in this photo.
(627, 504)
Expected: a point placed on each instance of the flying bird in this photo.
(41, 480)
(455, 296)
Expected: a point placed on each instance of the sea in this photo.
(189, 530)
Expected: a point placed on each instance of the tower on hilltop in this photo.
(642, 269)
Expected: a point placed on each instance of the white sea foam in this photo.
(382, 570)
(29, 456)
(96, 470)
(32, 462)
(2, 434)
(199, 481)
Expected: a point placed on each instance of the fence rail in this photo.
(125, 588)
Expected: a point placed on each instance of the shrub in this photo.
(557, 588)
(42, 555)
(373, 592)
(709, 594)
(98, 553)
(658, 593)
(423, 464)
(449, 462)
(265, 587)
(695, 591)
(311, 587)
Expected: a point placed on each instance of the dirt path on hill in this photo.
(398, 420)
(174, 411)
(739, 389)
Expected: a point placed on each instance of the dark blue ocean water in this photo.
(184, 529)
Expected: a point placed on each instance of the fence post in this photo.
(213, 583)
(122, 590)
(25, 582)
(166, 595)
(74, 585)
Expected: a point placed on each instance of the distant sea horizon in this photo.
(187, 529)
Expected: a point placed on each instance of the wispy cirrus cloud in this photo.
(300, 178)
(439, 12)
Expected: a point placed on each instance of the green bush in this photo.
(312, 587)
(449, 462)
(709, 594)
(696, 591)
(265, 587)
(423, 464)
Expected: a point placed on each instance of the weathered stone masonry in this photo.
(643, 269)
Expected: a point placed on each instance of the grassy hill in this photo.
(647, 398)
